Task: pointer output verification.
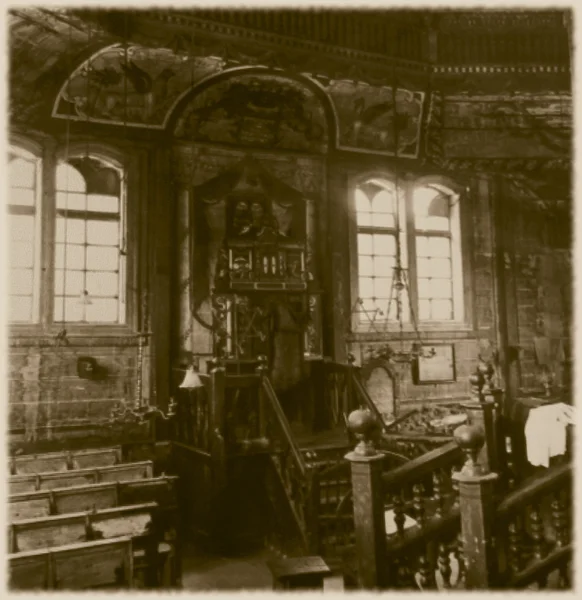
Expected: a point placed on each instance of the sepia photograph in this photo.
(289, 298)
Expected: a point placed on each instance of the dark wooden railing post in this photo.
(262, 370)
(350, 396)
(367, 489)
(217, 423)
(477, 508)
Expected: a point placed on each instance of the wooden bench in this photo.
(88, 565)
(32, 505)
(64, 461)
(18, 484)
(152, 548)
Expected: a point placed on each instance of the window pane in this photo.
(75, 311)
(21, 227)
(22, 197)
(362, 202)
(102, 284)
(439, 247)
(102, 258)
(440, 267)
(424, 288)
(365, 265)
(382, 287)
(75, 283)
(423, 266)
(71, 201)
(20, 308)
(440, 288)
(424, 310)
(21, 254)
(366, 287)
(364, 243)
(69, 179)
(382, 220)
(432, 224)
(75, 256)
(384, 244)
(22, 173)
(422, 246)
(104, 233)
(364, 219)
(108, 204)
(442, 310)
(367, 305)
(383, 202)
(431, 208)
(75, 230)
(384, 265)
(103, 311)
(21, 282)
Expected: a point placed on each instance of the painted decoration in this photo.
(371, 119)
(137, 86)
(261, 111)
(517, 125)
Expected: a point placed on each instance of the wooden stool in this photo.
(304, 572)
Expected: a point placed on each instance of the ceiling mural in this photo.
(260, 111)
(371, 119)
(512, 125)
(137, 86)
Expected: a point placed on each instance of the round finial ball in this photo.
(362, 422)
(469, 437)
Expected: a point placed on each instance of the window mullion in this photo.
(411, 246)
(47, 207)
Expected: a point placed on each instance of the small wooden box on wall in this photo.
(435, 368)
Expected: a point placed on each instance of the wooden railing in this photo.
(464, 530)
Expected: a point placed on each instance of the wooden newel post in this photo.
(367, 491)
(262, 370)
(217, 424)
(477, 507)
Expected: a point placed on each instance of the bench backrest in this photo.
(19, 484)
(61, 530)
(63, 461)
(95, 564)
(94, 496)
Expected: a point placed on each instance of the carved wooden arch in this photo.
(384, 364)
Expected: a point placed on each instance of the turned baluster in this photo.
(514, 548)
(418, 504)
(444, 564)
(559, 521)
(458, 553)
(425, 573)
(537, 533)
(455, 485)
(399, 518)
(437, 483)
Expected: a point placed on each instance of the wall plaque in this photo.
(438, 368)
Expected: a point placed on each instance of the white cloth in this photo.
(390, 525)
(545, 432)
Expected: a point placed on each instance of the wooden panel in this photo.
(29, 570)
(131, 521)
(51, 481)
(94, 565)
(84, 498)
(29, 508)
(162, 491)
(22, 484)
(124, 472)
(97, 458)
(48, 532)
(39, 464)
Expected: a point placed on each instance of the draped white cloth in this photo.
(546, 432)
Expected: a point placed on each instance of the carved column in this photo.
(183, 245)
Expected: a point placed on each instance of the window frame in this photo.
(462, 283)
(50, 155)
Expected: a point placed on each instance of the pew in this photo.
(141, 522)
(64, 461)
(88, 565)
(43, 503)
(18, 484)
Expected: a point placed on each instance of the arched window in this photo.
(416, 226)
(23, 227)
(89, 282)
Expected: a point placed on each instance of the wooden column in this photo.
(477, 507)
(367, 489)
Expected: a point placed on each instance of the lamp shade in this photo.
(191, 380)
